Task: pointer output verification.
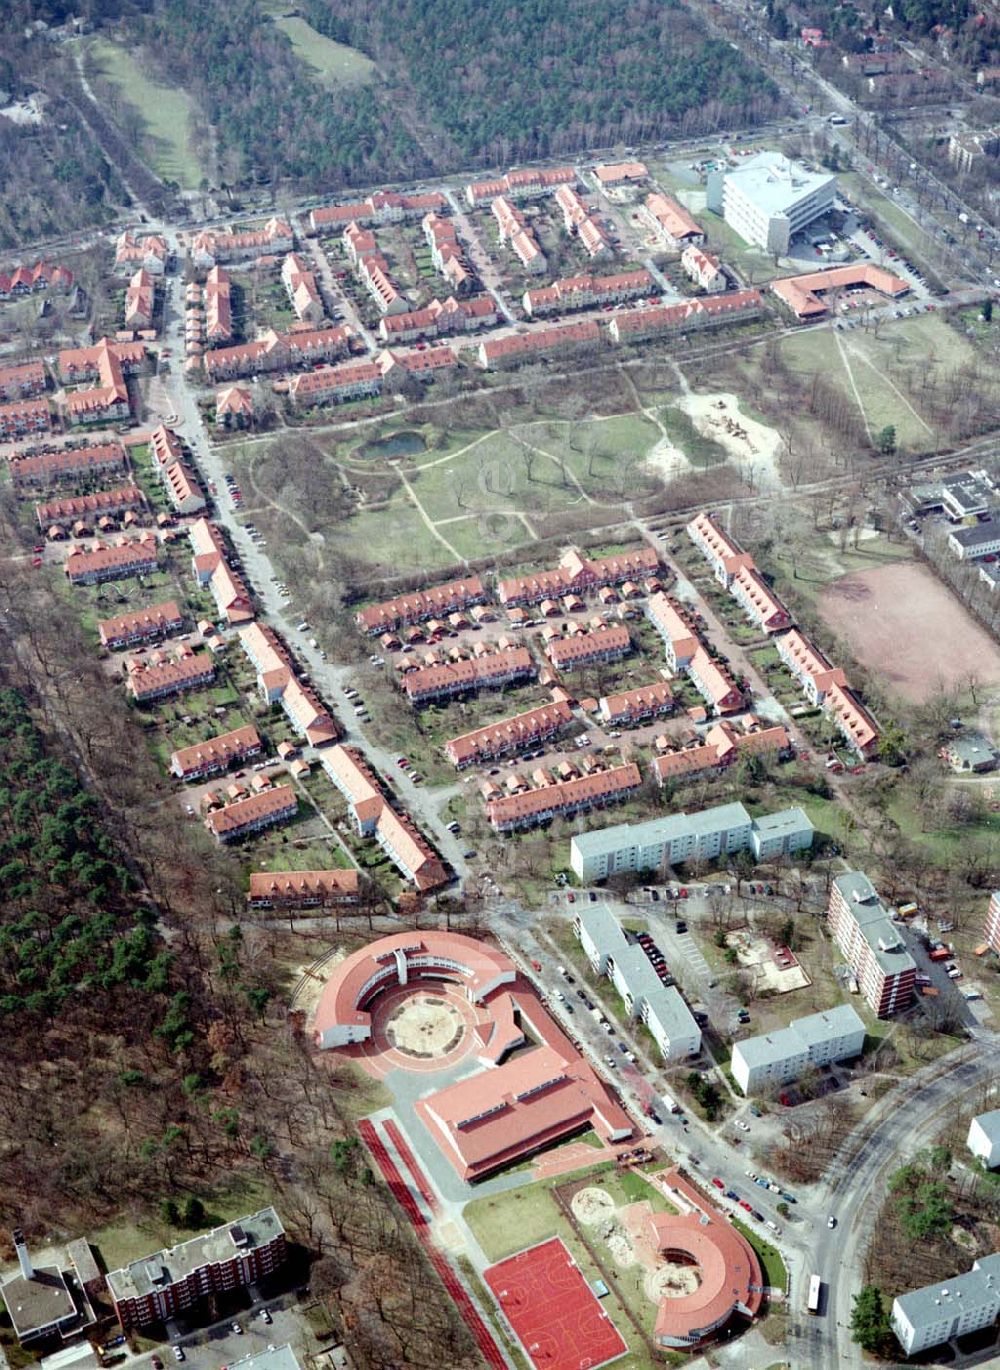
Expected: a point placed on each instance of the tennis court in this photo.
(548, 1302)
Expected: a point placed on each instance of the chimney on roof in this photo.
(23, 1258)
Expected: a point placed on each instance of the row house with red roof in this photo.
(352, 380)
(734, 306)
(492, 671)
(512, 228)
(579, 219)
(363, 251)
(420, 363)
(279, 684)
(145, 252)
(373, 815)
(736, 570)
(419, 605)
(278, 352)
(579, 573)
(446, 252)
(210, 246)
(21, 381)
(704, 268)
(42, 470)
(827, 687)
(67, 511)
(384, 207)
(685, 652)
(520, 185)
(562, 799)
(245, 816)
(628, 708)
(517, 349)
(586, 291)
(509, 735)
(441, 318)
(111, 561)
(140, 625)
(670, 222)
(140, 301)
(28, 280)
(211, 569)
(22, 417)
(303, 889)
(217, 754)
(110, 364)
(722, 746)
(588, 647)
(160, 674)
(301, 288)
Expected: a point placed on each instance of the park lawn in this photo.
(318, 854)
(336, 64)
(376, 539)
(948, 841)
(167, 113)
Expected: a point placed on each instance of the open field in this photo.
(167, 114)
(336, 63)
(910, 630)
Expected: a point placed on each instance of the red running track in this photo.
(409, 1160)
(484, 1338)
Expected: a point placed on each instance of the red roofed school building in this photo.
(805, 295)
(730, 1281)
(511, 1107)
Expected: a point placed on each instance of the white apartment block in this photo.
(768, 199)
(778, 1057)
(939, 1312)
(680, 837)
(872, 944)
(660, 1007)
(984, 1138)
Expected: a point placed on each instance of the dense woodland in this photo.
(531, 77)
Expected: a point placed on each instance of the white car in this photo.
(831, 1221)
(743, 1127)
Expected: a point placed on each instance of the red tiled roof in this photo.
(419, 604)
(567, 652)
(280, 801)
(309, 887)
(509, 732)
(151, 622)
(427, 681)
(220, 751)
(541, 340)
(672, 217)
(803, 294)
(579, 792)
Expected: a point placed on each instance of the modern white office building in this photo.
(768, 199)
(660, 1007)
(775, 1058)
(682, 837)
(939, 1312)
(984, 1138)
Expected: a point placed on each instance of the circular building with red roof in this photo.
(730, 1283)
(405, 959)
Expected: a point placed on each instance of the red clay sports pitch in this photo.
(549, 1304)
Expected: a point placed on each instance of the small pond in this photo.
(404, 444)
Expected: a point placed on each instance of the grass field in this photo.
(769, 1257)
(167, 113)
(336, 64)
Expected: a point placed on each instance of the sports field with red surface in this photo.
(550, 1306)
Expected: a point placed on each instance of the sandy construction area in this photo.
(905, 625)
(752, 445)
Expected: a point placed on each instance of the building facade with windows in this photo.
(776, 1058)
(872, 944)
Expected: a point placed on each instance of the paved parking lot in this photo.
(217, 1346)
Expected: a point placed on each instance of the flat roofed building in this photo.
(167, 1282)
(775, 1058)
(271, 1358)
(38, 1298)
(872, 944)
(984, 1138)
(972, 752)
(979, 540)
(939, 1312)
(670, 841)
(768, 199)
(660, 1007)
(967, 494)
(779, 834)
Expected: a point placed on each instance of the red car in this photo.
(39, 549)
(717, 1182)
(683, 894)
(36, 562)
(744, 1204)
(570, 898)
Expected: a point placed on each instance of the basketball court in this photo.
(549, 1304)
